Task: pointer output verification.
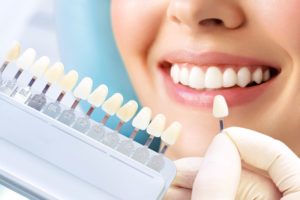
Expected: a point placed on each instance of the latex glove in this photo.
(219, 176)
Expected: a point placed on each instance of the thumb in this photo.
(219, 173)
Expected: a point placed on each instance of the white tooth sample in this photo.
(112, 104)
(267, 75)
(127, 111)
(229, 78)
(244, 77)
(68, 81)
(170, 135)
(157, 125)
(175, 71)
(196, 79)
(184, 76)
(220, 108)
(257, 76)
(40, 66)
(213, 78)
(142, 119)
(84, 88)
(14, 52)
(98, 96)
(26, 59)
(54, 73)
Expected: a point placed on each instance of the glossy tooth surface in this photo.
(84, 88)
(127, 111)
(220, 108)
(196, 79)
(184, 76)
(40, 66)
(229, 78)
(26, 59)
(157, 125)
(244, 77)
(112, 104)
(175, 71)
(14, 52)
(142, 119)
(54, 73)
(170, 135)
(68, 81)
(267, 75)
(257, 76)
(213, 78)
(98, 96)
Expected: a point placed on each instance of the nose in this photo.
(197, 14)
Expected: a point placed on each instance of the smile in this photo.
(194, 80)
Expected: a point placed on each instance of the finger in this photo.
(187, 169)
(254, 186)
(266, 153)
(177, 193)
(219, 173)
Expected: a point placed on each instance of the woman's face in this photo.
(181, 53)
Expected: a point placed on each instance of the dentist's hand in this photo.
(274, 171)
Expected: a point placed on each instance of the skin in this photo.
(263, 29)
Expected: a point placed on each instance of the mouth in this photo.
(195, 79)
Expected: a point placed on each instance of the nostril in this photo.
(211, 21)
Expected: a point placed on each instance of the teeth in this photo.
(157, 125)
(126, 112)
(257, 76)
(220, 108)
(142, 119)
(244, 77)
(184, 76)
(84, 88)
(213, 78)
(98, 96)
(26, 59)
(175, 71)
(40, 66)
(229, 78)
(196, 79)
(68, 81)
(14, 52)
(54, 73)
(112, 104)
(267, 75)
(170, 135)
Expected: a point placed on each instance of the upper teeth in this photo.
(213, 78)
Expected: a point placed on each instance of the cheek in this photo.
(136, 23)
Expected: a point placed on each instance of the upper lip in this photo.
(214, 58)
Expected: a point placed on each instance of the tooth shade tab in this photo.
(244, 77)
(127, 111)
(40, 66)
(84, 88)
(14, 52)
(142, 119)
(220, 108)
(171, 134)
(112, 104)
(26, 59)
(157, 125)
(229, 78)
(54, 73)
(98, 96)
(68, 81)
(213, 78)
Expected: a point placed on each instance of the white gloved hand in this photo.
(274, 171)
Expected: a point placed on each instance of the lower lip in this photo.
(204, 98)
